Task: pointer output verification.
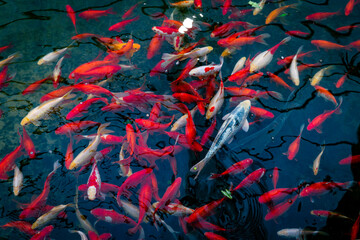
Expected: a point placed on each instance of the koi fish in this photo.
(239, 13)
(238, 42)
(94, 184)
(279, 80)
(83, 107)
(8, 162)
(151, 125)
(355, 228)
(72, 16)
(253, 177)
(346, 28)
(277, 12)
(208, 133)
(325, 213)
(75, 127)
(319, 75)
(213, 236)
(57, 73)
(275, 176)
(43, 234)
(350, 160)
(264, 58)
(258, 7)
(34, 86)
(319, 16)
(280, 208)
(261, 113)
(118, 27)
(52, 56)
(341, 81)
(204, 211)
(28, 144)
(349, 7)
(276, 194)
(234, 169)
(317, 161)
(234, 121)
(181, 122)
(298, 233)
(328, 45)
(323, 92)
(95, 14)
(208, 70)
(239, 65)
(294, 72)
(227, 27)
(9, 59)
(196, 53)
(85, 155)
(317, 121)
(321, 188)
(216, 102)
(294, 146)
(22, 226)
(50, 215)
(297, 33)
(18, 181)
(154, 46)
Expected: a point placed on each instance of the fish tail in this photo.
(261, 38)
(214, 176)
(102, 129)
(198, 167)
(68, 95)
(169, 58)
(110, 11)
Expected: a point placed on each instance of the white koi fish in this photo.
(294, 72)
(264, 58)
(43, 110)
(50, 215)
(57, 72)
(18, 181)
(258, 7)
(51, 57)
(239, 65)
(208, 70)
(315, 80)
(85, 155)
(196, 53)
(234, 121)
(316, 163)
(9, 59)
(216, 102)
(94, 184)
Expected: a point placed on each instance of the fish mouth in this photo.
(246, 104)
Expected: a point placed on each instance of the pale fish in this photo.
(181, 122)
(52, 56)
(50, 215)
(9, 59)
(315, 80)
(216, 102)
(316, 163)
(18, 181)
(294, 72)
(239, 65)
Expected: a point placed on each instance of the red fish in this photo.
(204, 211)
(151, 125)
(130, 11)
(275, 176)
(321, 188)
(328, 45)
(34, 86)
(33, 209)
(208, 133)
(72, 16)
(198, 3)
(321, 16)
(82, 107)
(170, 194)
(227, 27)
(279, 80)
(28, 144)
(111, 216)
(92, 89)
(69, 155)
(213, 236)
(154, 46)
(346, 28)
(276, 194)
(355, 229)
(82, 36)
(325, 93)
(75, 127)
(226, 7)
(121, 25)
(43, 234)
(350, 160)
(355, 44)
(317, 121)
(22, 226)
(261, 113)
(56, 93)
(234, 169)
(132, 181)
(4, 78)
(4, 48)
(104, 188)
(239, 13)
(349, 7)
(93, 236)
(294, 146)
(297, 33)
(253, 177)
(94, 184)
(95, 14)
(280, 208)
(8, 162)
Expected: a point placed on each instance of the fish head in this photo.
(25, 121)
(246, 104)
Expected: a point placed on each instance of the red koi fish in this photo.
(297, 33)
(280, 208)
(92, 89)
(93, 236)
(198, 4)
(105, 188)
(145, 197)
(253, 177)
(234, 169)
(8, 162)
(241, 41)
(355, 229)
(4, 48)
(346, 28)
(43, 234)
(102, 72)
(72, 16)
(130, 138)
(28, 144)
(278, 80)
(350, 160)
(130, 11)
(75, 127)
(111, 216)
(294, 146)
(121, 25)
(275, 176)
(276, 194)
(76, 73)
(321, 16)
(355, 44)
(287, 60)
(349, 7)
(132, 181)
(83, 107)
(321, 188)
(341, 81)
(208, 133)
(226, 7)
(151, 125)
(56, 93)
(188, 98)
(4, 78)
(190, 133)
(94, 184)
(213, 236)
(33, 209)
(317, 121)
(82, 36)
(34, 86)
(22, 226)
(227, 27)
(204, 211)
(95, 14)
(170, 194)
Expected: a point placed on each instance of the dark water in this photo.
(35, 28)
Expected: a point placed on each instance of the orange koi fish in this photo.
(8, 162)
(154, 46)
(277, 12)
(317, 121)
(294, 146)
(83, 107)
(279, 80)
(261, 113)
(75, 127)
(328, 45)
(341, 81)
(323, 92)
(28, 144)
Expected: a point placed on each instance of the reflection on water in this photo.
(36, 28)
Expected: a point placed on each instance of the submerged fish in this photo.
(234, 121)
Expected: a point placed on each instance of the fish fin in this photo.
(226, 116)
(203, 58)
(231, 139)
(261, 39)
(318, 129)
(245, 127)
